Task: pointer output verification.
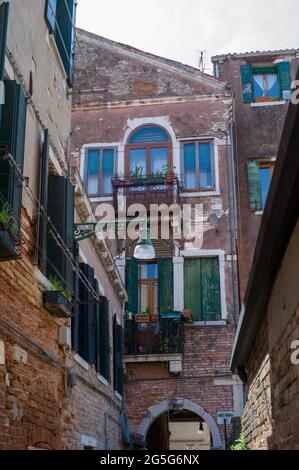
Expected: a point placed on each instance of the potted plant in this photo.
(137, 175)
(188, 316)
(8, 234)
(155, 178)
(144, 317)
(57, 300)
(168, 312)
(169, 173)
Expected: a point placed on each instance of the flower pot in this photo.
(57, 304)
(187, 316)
(155, 180)
(142, 318)
(7, 246)
(170, 315)
(170, 177)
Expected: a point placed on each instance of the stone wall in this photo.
(271, 414)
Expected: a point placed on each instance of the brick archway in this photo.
(157, 410)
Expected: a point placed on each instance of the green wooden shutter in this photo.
(91, 320)
(69, 231)
(165, 284)
(192, 287)
(247, 83)
(254, 183)
(76, 309)
(284, 79)
(12, 135)
(118, 356)
(82, 328)
(103, 338)
(132, 285)
(4, 9)
(61, 213)
(210, 287)
(64, 34)
(43, 197)
(50, 14)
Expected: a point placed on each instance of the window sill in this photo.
(200, 194)
(267, 103)
(259, 213)
(101, 198)
(118, 396)
(81, 362)
(102, 380)
(197, 324)
(153, 358)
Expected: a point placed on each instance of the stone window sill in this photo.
(267, 103)
(197, 324)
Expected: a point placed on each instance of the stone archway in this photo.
(157, 410)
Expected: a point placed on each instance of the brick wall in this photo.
(90, 409)
(271, 414)
(257, 417)
(206, 358)
(257, 133)
(40, 406)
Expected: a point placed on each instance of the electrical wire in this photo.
(52, 229)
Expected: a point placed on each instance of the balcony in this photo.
(146, 190)
(160, 337)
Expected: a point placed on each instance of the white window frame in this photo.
(83, 161)
(215, 146)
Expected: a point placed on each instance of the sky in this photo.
(180, 29)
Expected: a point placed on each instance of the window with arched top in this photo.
(148, 152)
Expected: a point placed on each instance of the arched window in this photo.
(149, 151)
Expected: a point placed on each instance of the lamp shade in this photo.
(144, 249)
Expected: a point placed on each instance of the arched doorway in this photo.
(161, 429)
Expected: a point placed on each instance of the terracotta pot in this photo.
(142, 319)
(169, 177)
(188, 317)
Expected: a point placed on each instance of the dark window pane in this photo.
(159, 159)
(138, 162)
(148, 271)
(107, 170)
(265, 175)
(272, 83)
(149, 134)
(93, 171)
(189, 166)
(205, 166)
(259, 89)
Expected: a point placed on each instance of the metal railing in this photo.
(164, 336)
(147, 190)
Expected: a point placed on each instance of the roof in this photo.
(179, 66)
(278, 222)
(243, 55)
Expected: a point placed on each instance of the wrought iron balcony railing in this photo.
(147, 190)
(164, 336)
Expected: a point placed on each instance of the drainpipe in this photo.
(232, 216)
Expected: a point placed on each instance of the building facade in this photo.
(159, 132)
(261, 84)
(266, 350)
(61, 301)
